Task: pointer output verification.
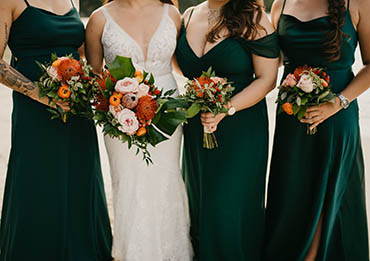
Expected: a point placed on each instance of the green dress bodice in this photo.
(54, 204)
(226, 186)
(321, 174)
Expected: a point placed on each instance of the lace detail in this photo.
(151, 219)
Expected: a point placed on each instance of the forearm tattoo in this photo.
(15, 80)
(6, 37)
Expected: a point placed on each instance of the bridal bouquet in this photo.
(307, 86)
(67, 80)
(207, 93)
(130, 107)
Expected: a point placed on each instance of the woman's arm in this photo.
(93, 45)
(265, 71)
(8, 75)
(318, 114)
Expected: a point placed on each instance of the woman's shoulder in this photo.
(188, 12)
(175, 15)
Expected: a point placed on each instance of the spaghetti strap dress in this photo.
(54, 204)
(226, 186)
(321, 174)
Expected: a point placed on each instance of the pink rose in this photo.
(305, 83)
(53, 73)
(217, 80)
(143, 90)
(128, 121)
(127, 85)
(290, 80)
(115, 109)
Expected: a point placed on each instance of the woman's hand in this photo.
(210, 121)
(45, 100)
(316, 115)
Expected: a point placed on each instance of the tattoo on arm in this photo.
(15, 80)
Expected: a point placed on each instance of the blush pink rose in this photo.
(143, 90)
(218, 80)
(290, 81)
(127, 85)
(305, 83)
(128, 121)
(53, 73)
(115, 109)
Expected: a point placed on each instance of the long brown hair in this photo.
(241, 18)
(336, 12)
(163, 1)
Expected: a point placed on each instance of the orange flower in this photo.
(288, 108)
(64, 92)
(118, 94)
(203, 80)
(141, 132)
(68, 68)
(101, 103)
(139, 76)
(114, 100)
(101, 81)
(299, 70)
(146, 108)
(324, 83)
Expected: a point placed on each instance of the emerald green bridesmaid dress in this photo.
(54, 203)
(226, 186)
(322, 173)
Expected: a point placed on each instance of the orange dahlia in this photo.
(288, 108)
(68, 68)
(146, 108)
(101, 103)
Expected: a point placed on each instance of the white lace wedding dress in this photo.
(151, 220)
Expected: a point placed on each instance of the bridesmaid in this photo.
(316, 202)
(226, 186)
(54, 204)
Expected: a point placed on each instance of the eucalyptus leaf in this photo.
(193, 110)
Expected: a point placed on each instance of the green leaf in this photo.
(151, 79)
(121, 67)
(169, 121)
(193, 110)
(155, 136)
(54, 57)
(174, 104)
(301, 112)
(295, 109)
(109, 85)
(299, 101)
(170, 92)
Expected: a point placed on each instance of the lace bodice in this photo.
(116, 41)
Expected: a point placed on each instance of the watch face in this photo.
(231, 111)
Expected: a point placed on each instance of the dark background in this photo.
(87, 6)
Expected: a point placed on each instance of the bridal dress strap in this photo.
(107, 16)
(191, 14)
(282, 9)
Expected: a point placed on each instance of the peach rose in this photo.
(127, 85)
(305, 83)
(143, 90)
(290, 81)
(128, 121)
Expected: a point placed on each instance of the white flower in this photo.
(115, 110)
(305, 83)
(143, 90)
(53, 73)
(127, 85)
(128, 121)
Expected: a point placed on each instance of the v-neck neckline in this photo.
(132, 39)
(208, 52)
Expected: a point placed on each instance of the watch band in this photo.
(344, 102)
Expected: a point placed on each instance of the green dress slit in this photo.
(322, 173)
(226, 186)
(54, 202)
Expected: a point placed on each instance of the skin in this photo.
(265, 68)
(9, 12)
(315, 115)
(139, 18)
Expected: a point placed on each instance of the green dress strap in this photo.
(267, 46)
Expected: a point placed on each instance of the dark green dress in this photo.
(226, 186)
(54, 203)
(323, 173)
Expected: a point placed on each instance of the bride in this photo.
(151, 220)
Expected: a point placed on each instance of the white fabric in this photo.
(151, 220)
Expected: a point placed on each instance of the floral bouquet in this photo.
(307, 86)
(130, 107)
(67, 80)
(207, 93)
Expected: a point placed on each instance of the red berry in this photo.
(327, 78)
(324, 74)
(157, 92)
